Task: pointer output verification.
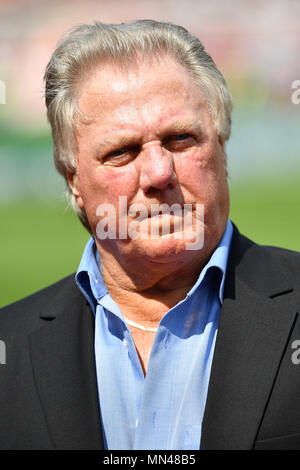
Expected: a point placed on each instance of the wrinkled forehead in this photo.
(125, 64)
(106, 87)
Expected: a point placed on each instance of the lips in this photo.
(158, 209)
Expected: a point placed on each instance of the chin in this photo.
(165, 249)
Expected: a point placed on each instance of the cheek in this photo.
(193, 170)
(203, 175)
(119, 181)
(104, 184)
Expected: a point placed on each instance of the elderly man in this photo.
(176, 332)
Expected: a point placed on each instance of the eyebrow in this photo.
(131, 139)
(120, 141)
(196, 125)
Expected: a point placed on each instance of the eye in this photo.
(180, 137)
(117, 153)
(120, 157)
(179, 142)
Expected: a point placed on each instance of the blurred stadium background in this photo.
(255, 43)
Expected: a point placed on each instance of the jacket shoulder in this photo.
(265, 268)
(48, 302)
(288, 259)
(282, 259)
(243, 246)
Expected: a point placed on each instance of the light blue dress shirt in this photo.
(164, 409)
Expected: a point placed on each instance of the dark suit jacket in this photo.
(48, 388)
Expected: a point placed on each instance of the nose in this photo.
(157, 169)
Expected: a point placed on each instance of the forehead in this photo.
(105, 84)
(149, 94)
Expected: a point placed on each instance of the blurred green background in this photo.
(255, 44)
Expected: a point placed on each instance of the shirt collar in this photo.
(218, 260)
(89, 274)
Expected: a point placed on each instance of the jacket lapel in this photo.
(62, 354)
(256, 319)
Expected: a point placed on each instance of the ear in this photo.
(221, 143)
(72, 179)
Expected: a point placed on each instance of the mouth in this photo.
(142, 211)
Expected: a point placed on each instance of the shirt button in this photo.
(125, 343)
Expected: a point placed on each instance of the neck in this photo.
(147, 304)
(145, 288)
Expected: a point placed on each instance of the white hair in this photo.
(86, 46)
